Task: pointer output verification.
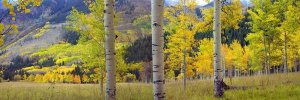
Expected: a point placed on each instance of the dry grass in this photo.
(265, 87)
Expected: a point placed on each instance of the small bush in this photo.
(1, 79)
(60, 78)
(77, 79)
(17, 77)
(68, 78)
(30, 78)
(48, 78)
(25, 77)
(38, 78)
(129, 77)
(85, 79)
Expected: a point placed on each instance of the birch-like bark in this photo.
(184, 53)
(295, 66)
(218, 78)
(157, 8)
(269, 57)
(102, 83)
(265, 54)
(224, 66)
(184, 69)
(110, 50)
(265, 46)
(285, 55)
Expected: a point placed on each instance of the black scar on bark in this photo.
(117, 36)
(155, 24)
(215, 55)
(219, 91)
(156, 66)
(111, 94)
(158, 81)
(104, 11)
(158, 95)
(221, 86)
(154, 44)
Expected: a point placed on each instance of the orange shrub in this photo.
(76, 79)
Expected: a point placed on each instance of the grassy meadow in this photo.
(264, 87)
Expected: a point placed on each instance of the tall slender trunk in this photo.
(277, 70)
(102, 82)
(285, 55)
(265, 45)
(184, 69)
(157, 8)
(269, 58)
(230, 75)
(184, 53)
(218, 78)
(235, 72)
(265, 54)
(224, 65)
(110, 53)
(295, 65)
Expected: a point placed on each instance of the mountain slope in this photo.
(32, 42)
(55, 12)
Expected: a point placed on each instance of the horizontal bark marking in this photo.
(156, 66)
(155, 45)
(159, 81)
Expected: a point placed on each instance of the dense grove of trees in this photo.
(262, 39)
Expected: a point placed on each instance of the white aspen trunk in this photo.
(240, 73)
(102, 83)
(184, 69)
(295, 66)
(265, 54)
(110, 49)
(157, 8)
(218, 78)
(281, 69)
(224, 66)
(230, 75)
(285, 55)
(269, 58)
(184, 53)
(235, 72)
(265, 47)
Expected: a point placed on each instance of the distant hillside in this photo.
(24, 42)
(55, 12)
(32, 42)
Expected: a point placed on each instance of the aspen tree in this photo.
(157, 8)
(184, 53)
(110, 49)
(218, 78)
